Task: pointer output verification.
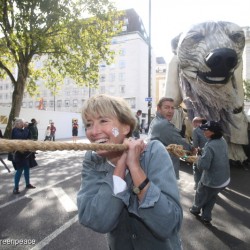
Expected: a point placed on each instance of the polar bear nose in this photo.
(221, 60)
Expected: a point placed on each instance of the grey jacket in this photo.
(215, 163)
(199, 139)
(164, 131)
(152, 224)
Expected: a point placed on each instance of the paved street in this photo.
(46, 217)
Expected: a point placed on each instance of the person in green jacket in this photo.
(33, 129)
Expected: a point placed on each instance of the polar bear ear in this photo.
(172, 86)
(174, 43)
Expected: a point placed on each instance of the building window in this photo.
(112, 66)
(24, 104)
(125, 20)
(59, 103)
(75, 103)
(123, 52)
(83, 100)
(67, 92)
(1, 96)
(51, 104)
(124, 28)
(6, 96)
(102, 66)
(44, 104)
(122, 64)
(75, 92)
(6, 86)
(30, 104)
(121, 77)
(86, 91)
(131, 102)
(67, 81)
(67, 103)
(102, 78)
(37, 104)
(122, 89)
(111, 89)
(112, 77)
(102, 89)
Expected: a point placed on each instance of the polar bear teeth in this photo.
(215, 79)
(101, 141)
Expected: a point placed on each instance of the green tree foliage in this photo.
(246, 86)
(69, 37)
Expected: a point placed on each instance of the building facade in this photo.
(160, 78)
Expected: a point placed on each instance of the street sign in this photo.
(148, 99)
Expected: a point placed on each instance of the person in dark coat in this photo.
(33, 130)
(21, 160)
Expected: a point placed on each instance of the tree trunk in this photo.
(17, 98)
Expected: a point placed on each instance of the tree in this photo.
(246, 86)
(54, 32)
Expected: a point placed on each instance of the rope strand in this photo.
(29, 145)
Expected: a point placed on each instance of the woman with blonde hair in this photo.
(130, 195)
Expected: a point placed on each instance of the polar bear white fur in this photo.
(205, 74)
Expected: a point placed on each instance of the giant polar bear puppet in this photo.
(205, 74)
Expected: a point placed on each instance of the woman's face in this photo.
(105, 130)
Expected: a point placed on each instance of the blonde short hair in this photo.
(109, 106)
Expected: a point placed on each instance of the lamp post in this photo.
(149, 63)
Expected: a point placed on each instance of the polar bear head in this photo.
(209, 68)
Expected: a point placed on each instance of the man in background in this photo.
(163, 130)
(137, 131)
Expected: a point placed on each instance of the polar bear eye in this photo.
(197, 37)
(237, 37)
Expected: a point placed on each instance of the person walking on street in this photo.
(33, 129)
(131, 195)
(214, 163)
(199, 141)
(47, 134)
(137, 130)
(21, 160)
(52, 131)
(163, 130)
(74, 130)
(33, 135)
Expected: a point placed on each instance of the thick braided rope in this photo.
(29, 145)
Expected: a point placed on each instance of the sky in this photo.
(171, 17)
